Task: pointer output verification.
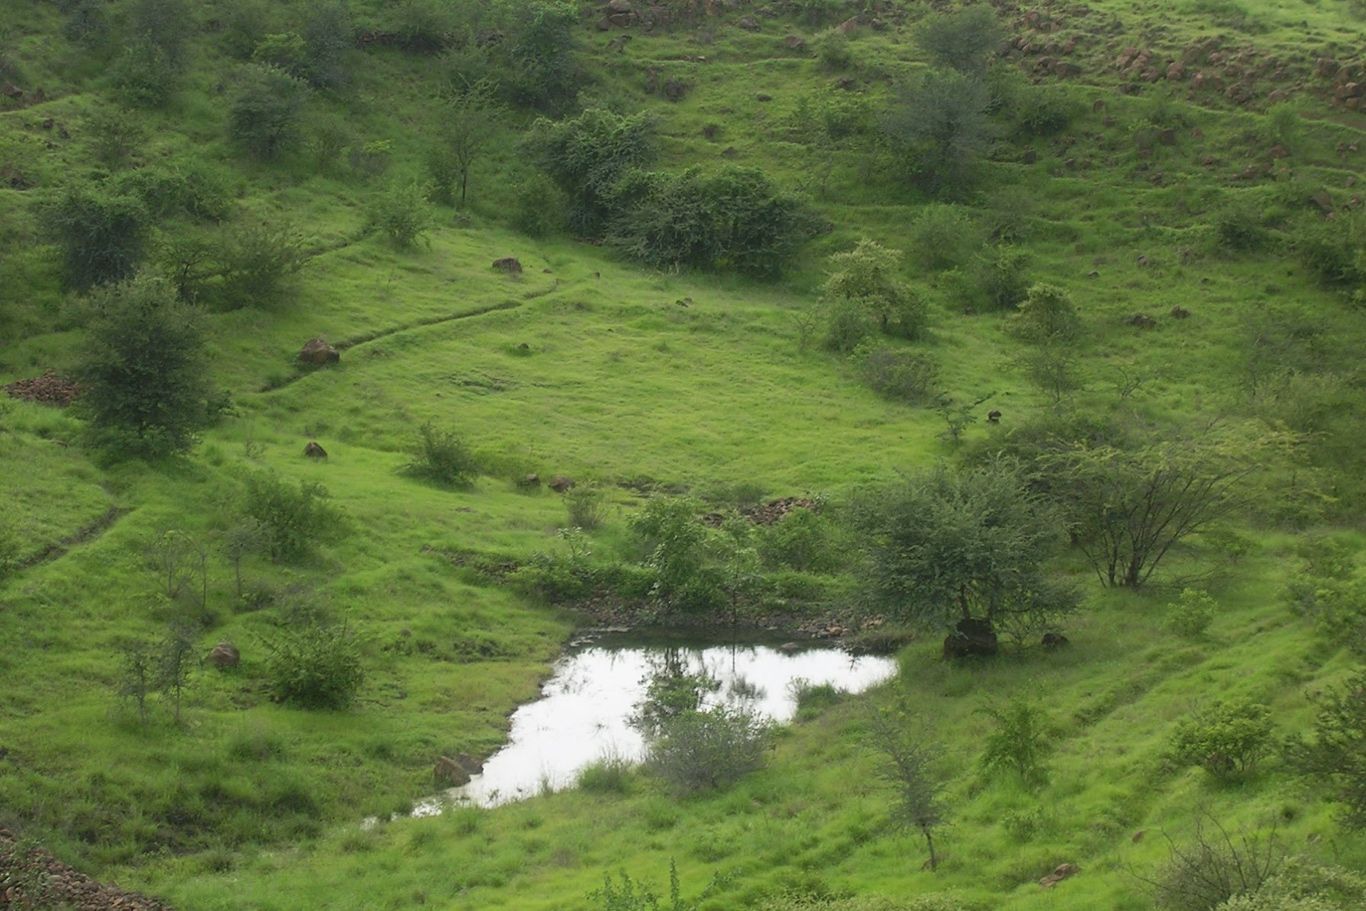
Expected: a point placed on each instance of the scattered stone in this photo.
(318, 352)
(560, 483)
(1054, 640)
(509, 265)
(315, 451)
(993, 416)
(749, 24)
(1323, 201)
(1062, 872)
(763, 96)
(794, 43)
(449, 773)
(225, 655)
(529, 480)
(49, 389)
(1180, 312)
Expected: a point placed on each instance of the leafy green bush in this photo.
(673, 542)
(943, 236)
(1239, 229)
(265, 109)
(833, 49)
(867, 278)
(997, 280)
(585, 506)
(847, 326)
(1018, 744)
(292, 518)
(443, 457)
(1226, 739)
(803, 539)
(1046, 316)
(539, 207)
(145, 370)
(1304, 886)
(285, 51)
(87, 23)
(1336, 756)
(1041, 111)
(1335, 252)
(708, 749)
(901, 375)
(401, 213)
(568, 574)
(732, 218)
(588, 155)
(1191, 614)
(257, 261)
(329, 42)
(143, 75)
(181, 186)
(316, 666)
(939, 127)
(101, 233)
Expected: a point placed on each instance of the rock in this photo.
(1323, 201)
(1054, 640)
(225, 655)
(1176, 72)
(1098, 105)
(675, 89)
(560, 483)
(1325, 67)
(794, 43)
(48, 389)
(994, 416)
(971, 638)
(1141, 321)
(1065, 68)
(315, 451)
(508, 265)
(749, 24)
(449, 773)
(848, 26)
(1063, 871)
(529, 480)
(1278, 151)
(1180, 312)
(763, 96)
(317, 351)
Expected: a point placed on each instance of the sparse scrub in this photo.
(316, 666)
(1215, 866)
(401, 214)
(585, 506)
(708, 749)
(443, 457)
(901, 375)
(293, 518)
(265, 111)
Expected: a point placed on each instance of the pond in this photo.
(584, 710)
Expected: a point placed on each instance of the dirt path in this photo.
(88, 533)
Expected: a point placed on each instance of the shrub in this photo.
(165, 24)
(938, 128)
(285, 52)
(867, 278)
(264, 113)
(402, 213)
(997, 280)
(1335, 252)
(102, 234)
(329, 38)
(114, 135)
(588, 155)
(732, 218)
(145, 369)
(708, 749)
(1214, 867)
(246, 23)
(1304, 886)
(1191, 614)
(292, 518)
(443, 457)
(609, 775)
(943, 237)
(87, 23)
(1337, 754)
(1046, 316)
(904, 376)
(539, 207)
(1019, 742)
(585, 507)
(834, 50)
(847, 326)
(964, 39)
(1039, 111)
(562, 575)
(674, 541)
(317, 666)
(803, 539)
(1225, 739)
(181, 187)
(257, 262)
(143, 75)
(1239, 229)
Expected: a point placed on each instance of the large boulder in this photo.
(971, 638)
(317, 352)
(225, 655)
(455, 772)
(508, 265)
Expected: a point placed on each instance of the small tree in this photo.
(1046, 316)
(292, 518)
(1019, 741)
(137, 678)
(1190, 615)
(868, 277)
(443, 457)
(239, 542)
(965, 39)
(908, 766)
(257, 262)
(401, 213)
(1225, 739)
(466, 131)
(102, 234)
(317, 666)
(963, 546)
(1337, 753)
(263, 115)
(939, 127)
(174, 663)
(145, 369)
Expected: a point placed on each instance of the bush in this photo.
(145, 370)
(847, 326)
(257, 262)
(317, 666)
(585, 507)
(102, 234)
(87, 24)
(733, 218)
(708, 749)
(143, 75)
(1337, 754)
(1046, 316)
(285, 52)
(1214, 867)
(539, 207)
(1018, 743)
(1239, 229)
(964, 39)
(189, 187)
(588, 155)
(943, 237)
(1303, 886)
(673, 541)
(1040, 111)
(803, 539)
(115, 134)
(904, 376)
(292, 518)
(329, 40)
(998, 280)
(1225, 739)
(833, 49)
(402, 214)
(167, 25)
(264, 113)
(939, 127)
(1335, 252)
(246, 23)
(443, 457)
(1191, 614)
(866, 278)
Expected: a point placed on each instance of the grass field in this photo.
(588, 366)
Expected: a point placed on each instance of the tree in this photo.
(867, 277)
(1337, 753)
(467, 129)
(145, 370)
(1129, 507)
(966, 547)
(587, 155)
(102, 234)
(263, 116)
(964, 39)
(1018, 742)
(939, 127)
(908, 766)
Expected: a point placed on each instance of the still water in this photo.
(584, 710)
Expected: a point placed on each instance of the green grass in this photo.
(252, 805)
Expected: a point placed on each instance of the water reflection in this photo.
(584, 711)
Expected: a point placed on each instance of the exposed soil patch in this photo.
(49, 389)
(768, 513)
(33, 878)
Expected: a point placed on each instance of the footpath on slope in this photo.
(33, 878)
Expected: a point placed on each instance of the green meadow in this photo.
(1192, 208)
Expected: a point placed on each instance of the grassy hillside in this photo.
(1116, 173)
